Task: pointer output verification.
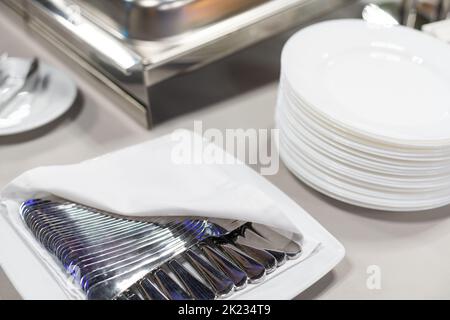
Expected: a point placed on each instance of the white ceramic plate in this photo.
(346, 137)
(299, 127)
(47, 103)
(363, 190)
(300, 122)
(356, 181)
(416, 189)
(384, 83)
(349, 193)
(386, 182)
(361, 160)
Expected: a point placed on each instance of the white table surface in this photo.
(411, 250)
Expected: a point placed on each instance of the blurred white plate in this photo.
(52, 98)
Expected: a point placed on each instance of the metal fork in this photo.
(26, 84)
(3, 74)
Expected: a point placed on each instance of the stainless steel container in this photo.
(131, 45)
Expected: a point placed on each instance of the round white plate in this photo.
(52, 98)
(364, 179)
(341, 166)
(388, 83)
(330, 142)
(320, 172)
(352, 139)
(360, 159)
(367, 179)
(349, 193)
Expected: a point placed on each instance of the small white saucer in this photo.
(54, 95)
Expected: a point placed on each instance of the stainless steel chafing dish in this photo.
(132, 45)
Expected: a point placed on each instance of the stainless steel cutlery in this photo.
(3, 74)
(113, 257)
(12, 86)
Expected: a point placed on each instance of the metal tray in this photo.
(132, 45)
(153, 20)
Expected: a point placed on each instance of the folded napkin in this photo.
(175, 175)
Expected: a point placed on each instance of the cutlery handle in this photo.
(223, 285)
(195, 287)
(238, 276)
(170, 287)
(30, 76)
(129, 294)
(273, 240)
(249, 238)
(150, 290)
(279, 255)
(266, 259)
(255, 271)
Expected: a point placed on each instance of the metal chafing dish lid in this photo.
(151, 20)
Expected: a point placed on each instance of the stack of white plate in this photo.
(364, 114)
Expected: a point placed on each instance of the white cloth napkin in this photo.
(150, 179)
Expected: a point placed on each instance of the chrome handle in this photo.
(279, 255)
(222, 285)
(262, 237)
(150, 291)
(236, 275)
(171, 288)
(196, 288)
(130, 294)
(266, 259)
(255, 271)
